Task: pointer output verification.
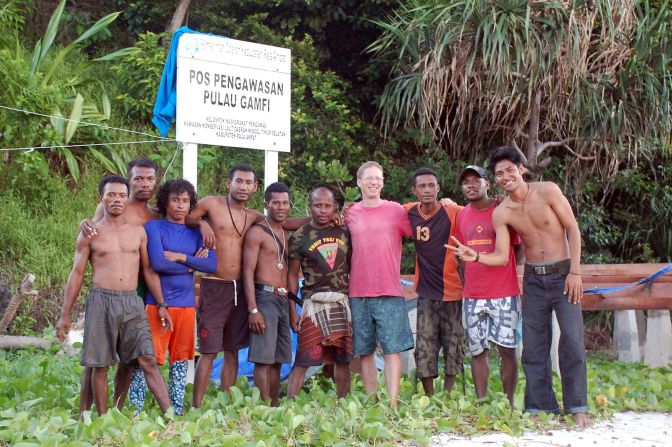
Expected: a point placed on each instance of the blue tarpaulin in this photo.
(246, 368)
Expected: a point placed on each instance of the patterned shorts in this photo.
(491, 320)
(439, 326)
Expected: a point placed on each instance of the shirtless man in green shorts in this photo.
(265, 281)
(116, 255)
(142, 175)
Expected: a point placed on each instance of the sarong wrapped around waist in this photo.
(326, 320)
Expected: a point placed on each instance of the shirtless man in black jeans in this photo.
(543, 218)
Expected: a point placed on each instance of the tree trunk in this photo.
(25, 289)
(15, 342)
(179, 16)
(533, 136)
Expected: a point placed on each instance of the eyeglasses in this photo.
(373, 179)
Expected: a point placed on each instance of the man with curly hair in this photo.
(175, 251)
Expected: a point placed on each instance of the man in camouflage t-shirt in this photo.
(322, 253)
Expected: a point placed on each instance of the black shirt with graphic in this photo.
(324, 254)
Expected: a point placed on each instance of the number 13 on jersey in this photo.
(422, 233)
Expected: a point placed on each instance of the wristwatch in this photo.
(160, 305)
(253, 311)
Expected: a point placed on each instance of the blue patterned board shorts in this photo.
(380, 319)
(490, 320)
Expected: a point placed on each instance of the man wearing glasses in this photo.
(376, 297)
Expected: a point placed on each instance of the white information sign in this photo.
(233, 93)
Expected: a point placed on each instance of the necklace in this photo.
(228, 206)
(281, 257)
(522, 202)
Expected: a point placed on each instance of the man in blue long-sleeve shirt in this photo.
(175, 251)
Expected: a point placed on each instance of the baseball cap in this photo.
(475, 169)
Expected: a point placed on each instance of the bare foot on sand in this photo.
(582, 420)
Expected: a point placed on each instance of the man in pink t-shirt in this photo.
(376, 298)
(491, 306)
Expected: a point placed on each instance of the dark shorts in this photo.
(323, 355)
(275, 344)
(115, 329)
(439, 325)
(381, 319)
(222, 319)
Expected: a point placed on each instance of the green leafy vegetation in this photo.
(40, 403)
(542, 74)
(55, 81)
(101, 62)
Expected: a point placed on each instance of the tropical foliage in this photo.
(53, 84)
(40, 404)
(52, 62)
(593, 78)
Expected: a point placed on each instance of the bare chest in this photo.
(114, 244)
(531, 219)
(230, 224)
(275, 246)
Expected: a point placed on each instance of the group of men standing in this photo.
(468, 294)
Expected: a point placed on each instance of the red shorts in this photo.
(180, 341)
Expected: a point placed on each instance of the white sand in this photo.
(623, 430)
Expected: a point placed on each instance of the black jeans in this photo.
(541, 295)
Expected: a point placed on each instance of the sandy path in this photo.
(623, 430)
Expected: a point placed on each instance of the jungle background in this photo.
(582, 87)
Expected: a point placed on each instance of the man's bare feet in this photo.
(582, 420)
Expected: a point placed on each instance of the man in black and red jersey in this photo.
(437, 283)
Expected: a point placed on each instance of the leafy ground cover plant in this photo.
(39, 403)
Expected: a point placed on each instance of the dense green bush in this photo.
(53, 82)
(621, 220)
(40, 394)
(38, 227)
(137, 78)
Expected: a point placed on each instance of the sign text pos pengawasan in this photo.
(233, 93)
